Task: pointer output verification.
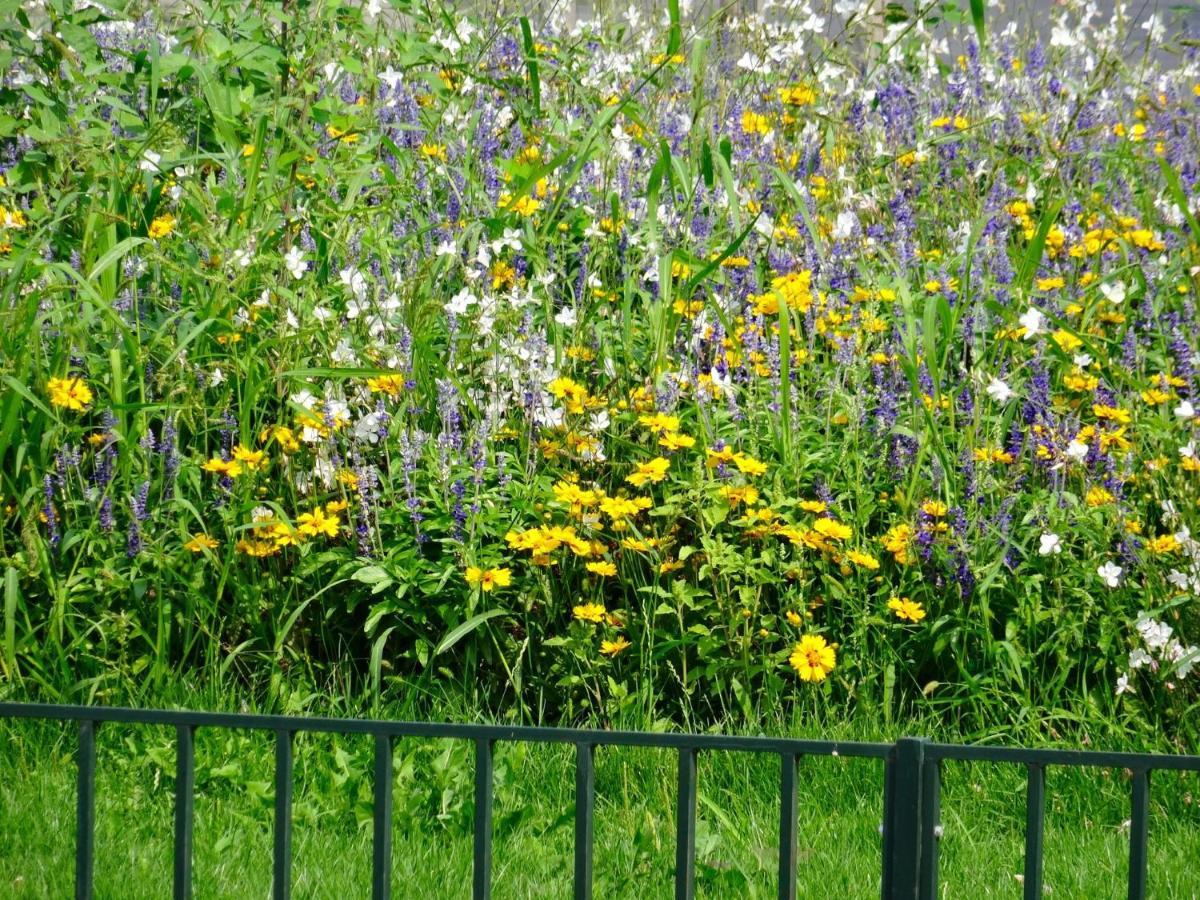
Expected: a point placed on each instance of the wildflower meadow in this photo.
(700, 370)
(826, 367)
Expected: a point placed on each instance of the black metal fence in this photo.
(911, 802)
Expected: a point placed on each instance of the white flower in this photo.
(1050, 543)
(150, 162)
(1082, 360)
(1077, 450)
(845, 225)
(1179, 580)
(323, 313)
(355, 281)
(1188, 450)
(1123, 685)
(217, 378)
(999, 391)
(566, 317)
(460, 303)
(391, 77)
(1154, 633)
(1185, 410)
(1187, 660)
(1114, 293)
(304, 398)
(1063, 36)
(1110, 574)
(1032, 321)
(294, 261)
(1139, 658)
(367, 428)
(343, 354)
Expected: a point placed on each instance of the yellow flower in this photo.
(255, 548)
(674, 441)
(866, 560)
(655, 470)
(285, 535)
(1066, 340)
(832, 529)
(589, 612)
(69, 393)
(317, 522)
(218, 466)
(489, 579)
(621, 508)
(433, 151)
(896, 542)
(612, 648)
(251, 460)
(660, 422)
(755, 123)
(1164, 543)
(602, 568)
(906, 610)
(813, 658)
(392, 385)
(162, 226)
(797, 95)
(1111, 413)
(199, 543)
(748, 465)
(1098, 496)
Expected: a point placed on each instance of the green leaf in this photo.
(977, 18)
(461, 631)
(114, 255)
(12, 594)
(531, 66)
(675, 35)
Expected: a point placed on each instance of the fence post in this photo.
(685, 826)
(85, 811)
(282, 863)
(482, 871)
(185, 800)
(909, 866)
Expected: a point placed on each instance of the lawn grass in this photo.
(839, 842)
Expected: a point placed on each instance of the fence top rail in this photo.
(1054, 757)
(593, 737)
(399, 729)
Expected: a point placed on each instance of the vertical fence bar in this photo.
(483, 819)
(1139, 828)
(685, 826)
(85, 811)
(788, 812)
(1035, 816)
(585, 799)
(905, 821)
(885, 827)
(185, 802)
(283, 815)
(931, 827)
(381, 864)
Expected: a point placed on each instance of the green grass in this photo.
(839, 842)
